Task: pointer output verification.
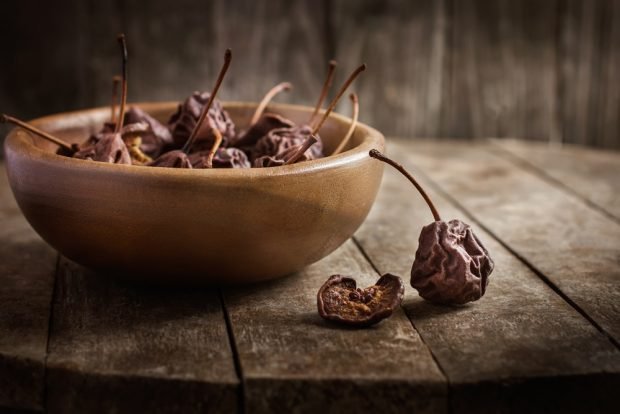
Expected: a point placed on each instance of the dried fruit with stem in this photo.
(179, 158)
(451, 265)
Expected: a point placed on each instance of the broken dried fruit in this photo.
(340, 300)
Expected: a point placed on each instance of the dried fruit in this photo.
(291, 155)
(261, 123)
(184, 121)
(156, 138)
(223, 158)
(451, 265)
(340, 300)
(179, 158)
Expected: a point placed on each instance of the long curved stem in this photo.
(341, 92)
(115, 81)
(310, 141)
(205, 109)
(326, 85)
(6, 118)
(216, 145)
(376, 154)
(349, 134)
(121, 114)
(284, 86)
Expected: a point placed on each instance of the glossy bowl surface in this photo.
(205, 226)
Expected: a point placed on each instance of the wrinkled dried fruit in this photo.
(156, 138)
(111, 148)
(279, 140)
(267, 122)
(182, 123)
(451, 265)
(223, 158)
(292, 155)
(172, 159)
(340, 300)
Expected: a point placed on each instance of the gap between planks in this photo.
(523, 163)
(441, 368)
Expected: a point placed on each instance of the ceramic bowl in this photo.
(205, 226)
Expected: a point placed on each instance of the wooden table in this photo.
(545, 337)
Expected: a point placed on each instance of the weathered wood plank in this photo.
(528, 213)
(592, 174)
(580, 55)
(144, 349)
(502, 73)
(271, 41)
(293, 361)
(608, 122)
(518, 349)
(405, 46)
(27, 267)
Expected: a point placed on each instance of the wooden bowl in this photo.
(211, 226)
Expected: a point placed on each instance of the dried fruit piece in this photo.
(183, 122)
(261, 123)
(111, 149)
(340, 300)
(172, 159)
(291, 155)
(451, 265)
(280, 140)
(223, 158)
(156, 138)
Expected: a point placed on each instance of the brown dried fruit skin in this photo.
(184, 120)
(279, 140)
(451, 265)
(172, 159)
(267, 122)
(223, 158)
(339, 300)
(156, 138)
(110, 148)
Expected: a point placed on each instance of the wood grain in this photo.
(450, 68)
(293, 361)
(500, 353)
(591, 174)
(502, 75)
(271, 41)
(144, 349)
(27, 267)
(526, 213)
(404, 91)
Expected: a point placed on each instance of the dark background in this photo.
(543, 70)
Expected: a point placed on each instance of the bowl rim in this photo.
(16, 142)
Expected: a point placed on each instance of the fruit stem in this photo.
(356, 112)
(121, 114)
(341, 92)
(284, 86)
(115, 81)
(376, 154)
(205, 109)
(216, 145)
(310, 141)
(326, 85)
(5, 118)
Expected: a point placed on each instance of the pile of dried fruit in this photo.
(201, 134)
